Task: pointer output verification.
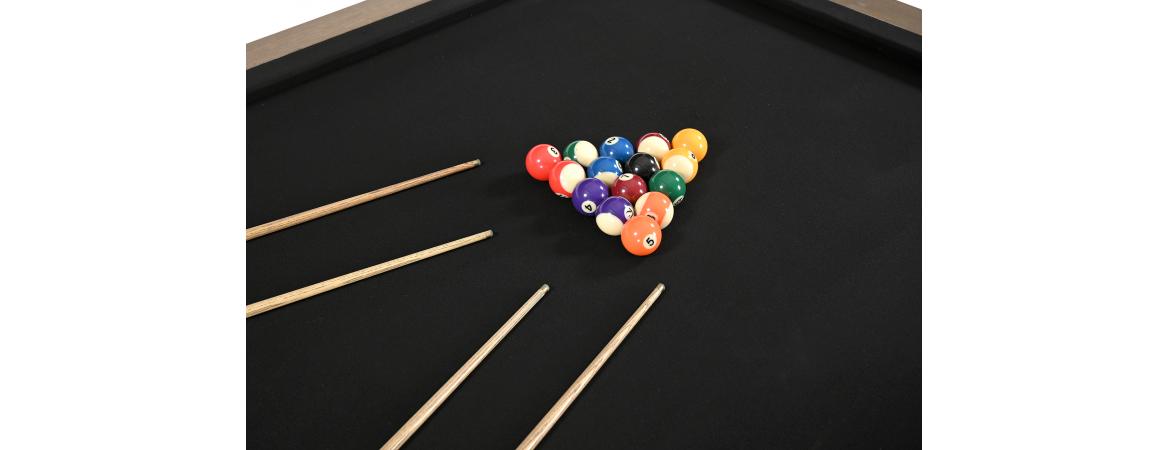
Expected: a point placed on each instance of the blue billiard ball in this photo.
(588, 195)
(606, 169)
(618, 148)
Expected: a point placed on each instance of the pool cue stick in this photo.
(320, 211)
(352, 277)
(399, 439)
(558, 409)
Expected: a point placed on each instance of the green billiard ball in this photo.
(581, 151)
(670, 183)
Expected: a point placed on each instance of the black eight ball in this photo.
(643, 165)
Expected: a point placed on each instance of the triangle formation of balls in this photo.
(630, 190)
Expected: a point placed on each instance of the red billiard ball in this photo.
(628, 186)
(564, 176)
(540, 161)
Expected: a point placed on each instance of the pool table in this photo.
(792, 311)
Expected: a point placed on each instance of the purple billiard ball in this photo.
(612, 214)
(588, 195)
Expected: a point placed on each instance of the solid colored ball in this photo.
(588, 195)
(641, 235)
(564, 176)
(629, 187)
(540, 161)
(612, 214)
(581, 151)
(643, 165)
(606, 169)
(654, 144)
(618, 148)
(656, 205)
(670, 183)
(691, 139)
(683, 162)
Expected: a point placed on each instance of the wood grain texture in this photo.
(353, 277)
(323, 28)
(892, 12)
(305, 216)
(351, 18)
(399, 439)
(550, 419)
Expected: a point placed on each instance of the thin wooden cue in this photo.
(399, 439)
(352, 277)
(318, 212)
(575, 389)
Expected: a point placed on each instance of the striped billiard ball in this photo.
(564, 176)
(657, 206)
(683, 162)
(605, 169)
(654, 144)
(581, 151)
(612, 214)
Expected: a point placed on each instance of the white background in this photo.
(269, 16)
(265, 17)
(1045, 213)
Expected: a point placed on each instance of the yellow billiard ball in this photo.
(691, 139)
(683, 162)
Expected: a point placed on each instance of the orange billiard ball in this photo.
(691, 139)
(657, 206)
(641, 235)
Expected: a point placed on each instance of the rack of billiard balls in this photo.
(629, 193)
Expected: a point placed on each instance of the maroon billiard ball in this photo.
(654, 144)
(628, 186)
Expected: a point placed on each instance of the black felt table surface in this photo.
(791, 317)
